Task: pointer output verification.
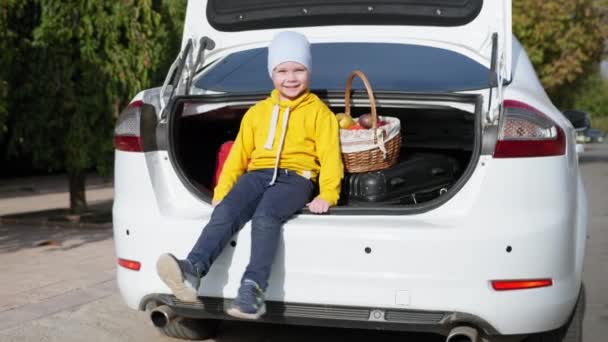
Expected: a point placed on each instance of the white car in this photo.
(496, 257)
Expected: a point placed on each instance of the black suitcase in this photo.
(419, 178)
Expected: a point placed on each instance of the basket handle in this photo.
(370, 94)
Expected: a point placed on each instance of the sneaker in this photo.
(179, 276)
(249, 303)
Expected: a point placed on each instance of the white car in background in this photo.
(498, 257)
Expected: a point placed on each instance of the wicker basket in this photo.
(371, 149)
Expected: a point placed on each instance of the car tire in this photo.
(572, 331)
(191, 329)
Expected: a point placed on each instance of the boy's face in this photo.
(290, 79)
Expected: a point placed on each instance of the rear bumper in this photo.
(510, 313)
(435, 272)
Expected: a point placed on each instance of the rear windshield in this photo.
(391, 67)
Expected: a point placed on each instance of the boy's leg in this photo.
(228, 217)
(183, 276)
(289, 194)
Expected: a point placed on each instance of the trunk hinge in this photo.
(183, 70)
(496, 80)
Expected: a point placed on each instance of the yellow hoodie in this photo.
(310, 145)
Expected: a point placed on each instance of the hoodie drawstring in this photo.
(272, 128)
(281, 141)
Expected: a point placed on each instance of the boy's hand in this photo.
(318, 205)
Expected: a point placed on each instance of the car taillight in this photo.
(505, 285)
(527, 132)
(127, 136)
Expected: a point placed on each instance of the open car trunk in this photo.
(445, 124)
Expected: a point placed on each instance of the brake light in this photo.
(127, 136)
(129, 264)
(527, 132)
(505, 285)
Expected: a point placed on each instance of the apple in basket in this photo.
(355, 127)
(345, 121)
(365, 121)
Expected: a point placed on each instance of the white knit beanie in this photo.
(289, 46)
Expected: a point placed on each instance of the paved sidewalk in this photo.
(52, 269)
(54, 264)
(44, 200)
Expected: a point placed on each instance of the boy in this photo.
(285, 143)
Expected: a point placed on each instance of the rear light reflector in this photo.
(127, 136)
(129, 264)
(506, 285)
(127, 143)
(527, 132)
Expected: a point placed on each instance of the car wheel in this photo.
(191, 329)
(572, 331)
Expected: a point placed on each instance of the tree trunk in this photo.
(78, 200)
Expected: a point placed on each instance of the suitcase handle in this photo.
(370, 94)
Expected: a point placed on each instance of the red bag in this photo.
(222, 154)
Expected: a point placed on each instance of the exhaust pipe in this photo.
(162, 315)
(463, 333)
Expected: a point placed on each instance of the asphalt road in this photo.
(58, 284)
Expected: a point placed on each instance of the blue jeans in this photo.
(268, 207)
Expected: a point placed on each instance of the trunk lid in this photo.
(461, 24)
